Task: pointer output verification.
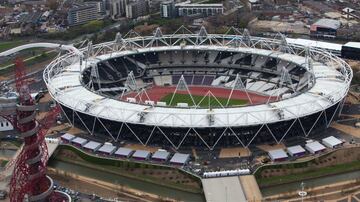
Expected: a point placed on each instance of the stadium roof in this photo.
(67, 136)
(295, 150)
(352, 44)
(277, 154)
(179, 158)
(328, 23)
(162, 155)
(92, 145)
(331, 141)
(122, 151)
(79, 140)
(106, 148)
(314, 147)
(77, 97)
(141, 154)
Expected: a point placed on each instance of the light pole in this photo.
(302, 193)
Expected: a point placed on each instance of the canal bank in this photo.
(119, 180)
(165, 181)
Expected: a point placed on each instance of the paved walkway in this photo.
(251, 188)
(231, 189)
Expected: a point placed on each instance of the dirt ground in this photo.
(234, 152)
(142, 147)
(266, 147)
(347, 129)
(75, 131)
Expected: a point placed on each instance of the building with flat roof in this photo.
(332, 142)
(107, 149)
(124, 152)
(160, 156)
(82, 14)
(167, 9)
(351, 50)
(141, 155)
(79, 141)
(118, 8)
(278, 155)
(137, 8)
(67, 137)
(180, 159)
(325, 28)
(296, 151)
(92, 146)
(315, 147)
(187, 8)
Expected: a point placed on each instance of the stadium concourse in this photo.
(198, 89)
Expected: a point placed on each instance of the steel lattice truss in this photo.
(101, 108)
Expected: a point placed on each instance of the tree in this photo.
(53, 4)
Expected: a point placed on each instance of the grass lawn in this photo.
(11, 44)
(313, 173)
(185, 98)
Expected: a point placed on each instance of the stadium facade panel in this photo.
(290, 90)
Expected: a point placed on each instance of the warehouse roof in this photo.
(315, 146)
(296, 149)
(329, 23)
(277, 154)
(106, 148)
(352, 44)
(79, 140)
(122, 151)
(332, 141)
(180, 158)
(163, 155)
(92, 145)
(141, 154)
(67, 136)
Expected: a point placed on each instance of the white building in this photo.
(331, 142)
(5, 125)
(315, 147)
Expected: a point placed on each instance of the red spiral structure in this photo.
(29, 181)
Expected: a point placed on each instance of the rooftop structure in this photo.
(296, 150)
(123, 152)
(67, 137)
(180, 159)
(141, 154)
(79, 141)
(278, 155)
(92, 145)
(107, 149)
(331, 142)
(161, 155)
(314, 147)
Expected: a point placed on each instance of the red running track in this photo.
(155, 93)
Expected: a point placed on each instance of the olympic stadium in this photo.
(199, 89)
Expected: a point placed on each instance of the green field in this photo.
(9, 45)
(185, 98)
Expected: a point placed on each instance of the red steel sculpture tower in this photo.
(29, 180)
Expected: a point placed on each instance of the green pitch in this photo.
(204, 102)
